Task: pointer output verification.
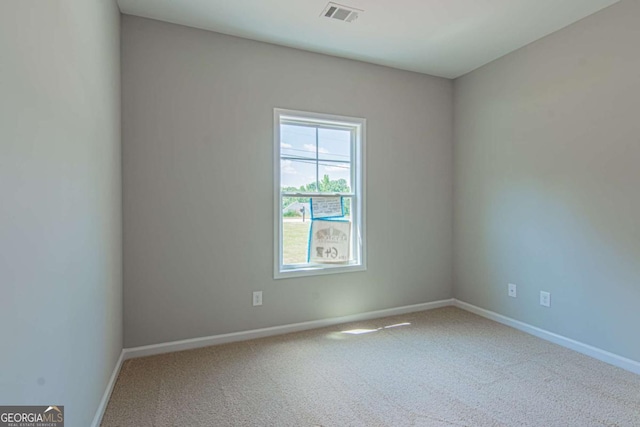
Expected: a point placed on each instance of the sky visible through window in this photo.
(298, 146)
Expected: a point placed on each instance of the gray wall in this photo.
(198, 192)
(60, 209)
(547, 176)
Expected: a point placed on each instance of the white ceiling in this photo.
(445, 38)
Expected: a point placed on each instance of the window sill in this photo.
(318, 271)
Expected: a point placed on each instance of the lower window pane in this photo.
(296, 224)
(295, 231)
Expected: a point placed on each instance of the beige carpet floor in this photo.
(444, 367)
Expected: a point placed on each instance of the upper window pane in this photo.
(334, 144)
(297, 174)
(314, 156)
(335, 177)
(297, 141)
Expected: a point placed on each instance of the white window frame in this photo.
(358, 193)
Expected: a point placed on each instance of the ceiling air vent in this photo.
(341, 13)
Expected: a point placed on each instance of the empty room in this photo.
(315, 213)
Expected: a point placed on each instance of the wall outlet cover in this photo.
(545, 299)
(257, 298)
(513, 291)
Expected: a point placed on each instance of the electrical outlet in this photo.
(512, 290)
(257, 298)
(545, 299)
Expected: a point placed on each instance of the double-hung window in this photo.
(319, 193)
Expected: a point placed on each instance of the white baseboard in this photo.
(149, 350)
(596, 353)
(97, 419)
